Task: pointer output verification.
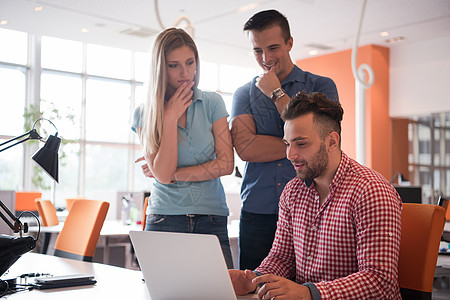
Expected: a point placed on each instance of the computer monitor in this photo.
(409, 194)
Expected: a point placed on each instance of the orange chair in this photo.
(422, 226)
(69, 202)
(79, 236)
(445, 203)
(144, 213)
(25, 201)
(47, 212)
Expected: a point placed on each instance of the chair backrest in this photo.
(25, 201)
(47, 212)
(422, 226)
(70, 201)
(81, 230)
(144, 213)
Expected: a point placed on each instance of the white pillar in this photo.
(360, 118)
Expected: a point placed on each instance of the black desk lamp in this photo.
(11, 248)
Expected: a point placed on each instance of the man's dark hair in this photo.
(267, 18)
(328, 114)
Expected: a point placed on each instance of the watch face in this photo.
(277, 94)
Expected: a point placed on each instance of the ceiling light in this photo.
(38, 8)
(384, 34)
(313, 52)
(3, 22)
(85, 30)
(396, 39)
(318, 46)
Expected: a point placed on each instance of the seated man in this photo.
(338, 232)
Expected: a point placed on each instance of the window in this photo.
(12, 96)
(108, 110)
(429, 157)
(62, 93)
(61, 54)
(142, 66)
(11, 165)
(107, 168)
(14, 46)
(13, 60)
(108, 62)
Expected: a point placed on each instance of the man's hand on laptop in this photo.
(276, 286)
(242, 281)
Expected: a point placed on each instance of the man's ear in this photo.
(333, 141)
(290, 43)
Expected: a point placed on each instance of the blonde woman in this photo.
(186, 142)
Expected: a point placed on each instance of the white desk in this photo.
(110, 228)
(112, 282)
(113, 233)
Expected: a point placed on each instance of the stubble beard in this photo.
(316, 167)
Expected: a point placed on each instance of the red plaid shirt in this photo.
(349, 246)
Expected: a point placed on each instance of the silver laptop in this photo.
(181, 266)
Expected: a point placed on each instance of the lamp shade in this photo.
(47, 156)
(11, 248)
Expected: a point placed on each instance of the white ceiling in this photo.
(218, 24)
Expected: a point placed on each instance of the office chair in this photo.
(422, 226)
(81, 230)
(47, 212)
(144, 213)
(70, 201)
(25, 201)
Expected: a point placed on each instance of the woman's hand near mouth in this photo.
(180, 101)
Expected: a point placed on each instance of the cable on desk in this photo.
(12, 286)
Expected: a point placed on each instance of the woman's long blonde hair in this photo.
(167, 41)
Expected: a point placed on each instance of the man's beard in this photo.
(317, 166)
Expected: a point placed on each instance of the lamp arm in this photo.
(47, 121)
(17, 226)
(32, 135)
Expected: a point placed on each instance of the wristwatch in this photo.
(277, 94)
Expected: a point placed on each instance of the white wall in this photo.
(420, 78)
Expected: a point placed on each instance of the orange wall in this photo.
(378, 124)
(400, 149)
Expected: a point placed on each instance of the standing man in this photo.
(339, 228)
(257, 130)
